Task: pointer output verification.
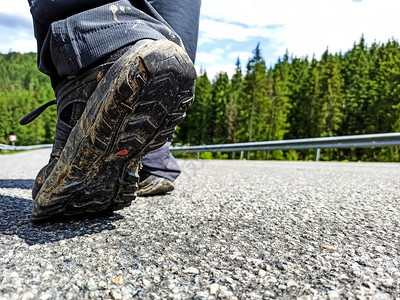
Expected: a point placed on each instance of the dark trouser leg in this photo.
(74, 34)
(160, 162)
(183, 17)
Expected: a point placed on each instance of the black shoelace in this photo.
(36, 112)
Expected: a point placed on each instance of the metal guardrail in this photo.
(10, 147)
(351, 141)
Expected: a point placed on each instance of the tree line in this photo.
(356, 92)
(22, 89)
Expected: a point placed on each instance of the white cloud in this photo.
(19, 45)
(214, 69)
(16, 14)
(215, 63)
(211, 30)
(207, 58)
(243, 56)
(338, 24)
(210, 57)
(16, 30)
(308, 26)
(24, 46)
(16, 7)
(252, 12)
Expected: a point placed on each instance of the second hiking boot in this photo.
(154, 186)
(133, 110)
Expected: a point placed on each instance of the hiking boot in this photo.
(154, 185)
(72, 95)
(134, 109)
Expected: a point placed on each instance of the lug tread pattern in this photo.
(141, 116)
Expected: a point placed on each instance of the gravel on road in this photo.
(231, 230)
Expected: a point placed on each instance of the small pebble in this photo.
(213, 288)
(118, 280)
(191, 270)
(333, 295)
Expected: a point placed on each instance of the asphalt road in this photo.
(231, 230)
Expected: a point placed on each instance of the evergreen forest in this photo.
(357, 92)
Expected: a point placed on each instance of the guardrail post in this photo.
(241, 155)
(198, 155)
(318, 154)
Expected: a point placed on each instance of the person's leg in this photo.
(183, 17)
(160, 163)
(136, 103)
(74, 34)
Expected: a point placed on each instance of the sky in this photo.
(232, 28)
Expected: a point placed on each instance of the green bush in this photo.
(206, 155)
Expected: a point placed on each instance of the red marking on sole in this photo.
(122, 152)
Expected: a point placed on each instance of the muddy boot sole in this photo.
(134, 110)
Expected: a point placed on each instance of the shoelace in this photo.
(36, 112)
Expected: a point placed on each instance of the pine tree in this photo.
(219, 122)
(195, 129)
(253, 104)
(299, 85)
(331, 96)
(253, 95)
(279, 112)
(356, 79)
(232, 108)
